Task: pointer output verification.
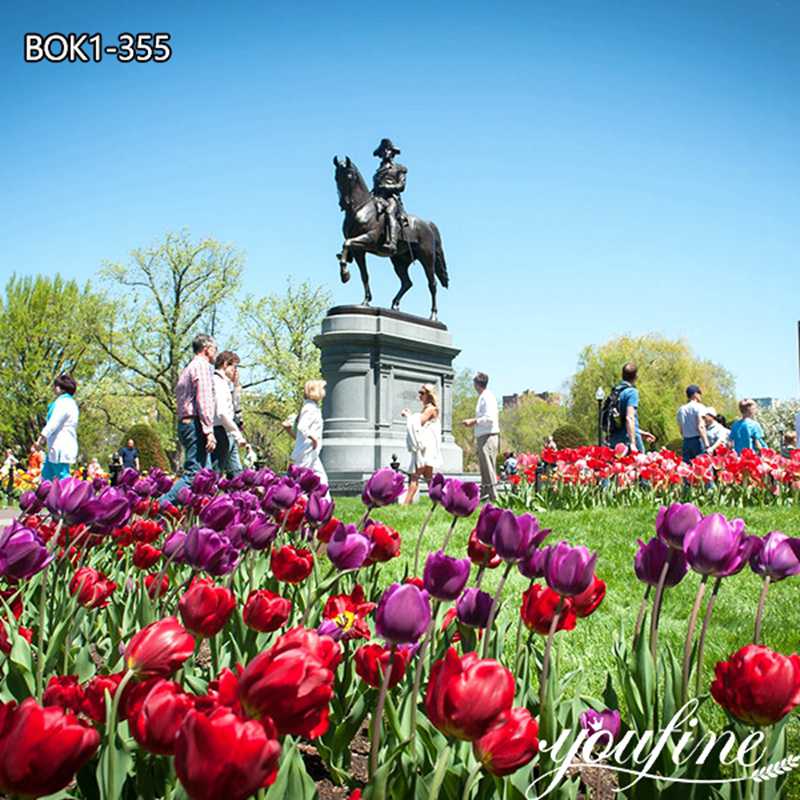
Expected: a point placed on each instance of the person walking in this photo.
(424, 437)
(225, 428)
(129, 455)
(628, 431)
(746, 433)
(61, 429)
(234, 457)
(306, 428)
(194, 398)
(486, 423)
(692, 425)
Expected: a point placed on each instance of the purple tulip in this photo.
(460, 499)
(260, 532)
(473, 608)
(112, 510)
(204, 481)
(127, 478)
(532, 566)
(175, 546)
(98, 484)
(718, 547)
(383, 488)
(207, 550)
(569, 570)
(319, 509)
(403, 614)
(22, 552)
(436, 488)
(219, 513)
(331, 629)
(247, 476)
(778, 557)
(281, 496)
(71, 499)
(43, 489)
(347, 548)
(487, 522)
(305, 478)
(673, 523)
(650, 559)
(235, 534)
(594, 721)
(145, 487)
(514, 537)
(445, 577)
(185, 496)
(30, 503)
(162, 480)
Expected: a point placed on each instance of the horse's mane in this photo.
(358, 185)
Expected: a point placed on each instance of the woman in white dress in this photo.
(424, 438)
(307, 430)
(61, 431)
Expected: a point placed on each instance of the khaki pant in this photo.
(487, 460)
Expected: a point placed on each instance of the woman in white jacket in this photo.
(61, 431)
(423, 438)
(307, 430)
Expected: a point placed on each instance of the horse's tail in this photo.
(439, 263)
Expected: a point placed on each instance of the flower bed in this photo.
(200, 652)
(587, 477)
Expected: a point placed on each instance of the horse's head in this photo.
(349, 182)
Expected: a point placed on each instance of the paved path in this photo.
(6, 515)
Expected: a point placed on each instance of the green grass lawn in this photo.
(614, 532)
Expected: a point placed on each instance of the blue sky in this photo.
(595, 168)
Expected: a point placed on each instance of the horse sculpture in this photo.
(363, 233)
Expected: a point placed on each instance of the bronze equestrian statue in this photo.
(376, 222)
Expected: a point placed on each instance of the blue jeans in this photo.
(195, 458)
(234, 462)
(692, 447)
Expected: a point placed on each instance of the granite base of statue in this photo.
(374, 361)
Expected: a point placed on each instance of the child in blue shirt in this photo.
(746, 433)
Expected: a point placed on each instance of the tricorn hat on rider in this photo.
(385, 148)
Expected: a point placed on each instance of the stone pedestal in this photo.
(374, 361)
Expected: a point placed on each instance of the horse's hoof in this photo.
(344, 274)
(434, 316)
(395, 306)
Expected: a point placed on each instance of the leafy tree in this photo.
(43, 329)
(464, 400)
(568, 436)
(164, 297)
(527, 427)
(778, 420)
(666, 368)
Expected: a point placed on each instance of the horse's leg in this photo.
(427, 257)
(344, 271)
(401, 264)
(361, 259)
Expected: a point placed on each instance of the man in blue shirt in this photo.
(746, 433)
(629, 433)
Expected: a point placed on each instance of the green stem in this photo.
(378, 718)
(657, 600)
(493, 609)
(548, 648)
(40, 634)
(762, 604)
(637, 631)
(449, 534)
(687, 647)
(421, 534)
(111, 732)
(703, 631)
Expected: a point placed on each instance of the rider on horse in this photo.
(387, 184)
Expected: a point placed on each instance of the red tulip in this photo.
(327, 530)
(159, 649)
(481, 554)
(146, 530)
(156, 588)
(586, 603)
(385, 543)
(93, 704)
(291, 564)
(266, 611)
(92, 587)
(466, 694)
(372, 661)
(414, 581)
(145, 555)
(349, 613)
(292, 683)
(5, 642)
(758, 685)
(41, 749)
(539, 604)
(64, 691)
(205, 607)
(161, 715)
(14, 599)
(509, 744)
(222, 755)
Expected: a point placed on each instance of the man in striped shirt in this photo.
(194, 395)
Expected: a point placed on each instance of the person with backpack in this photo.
(620, 413)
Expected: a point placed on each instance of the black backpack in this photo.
(611, 419)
